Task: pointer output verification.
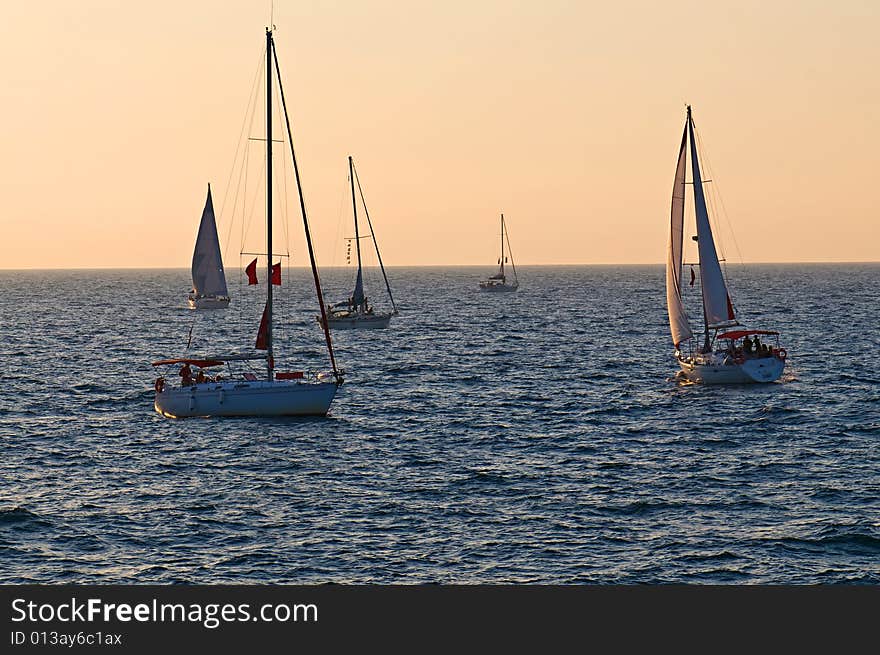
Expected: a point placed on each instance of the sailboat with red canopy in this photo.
(723, 355)
(292, 393)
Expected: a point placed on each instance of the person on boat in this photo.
(758, 347)
(200, 377)
(185, 375)
(747, 346)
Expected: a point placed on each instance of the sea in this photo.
(535, 437)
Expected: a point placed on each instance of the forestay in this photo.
(716, 300)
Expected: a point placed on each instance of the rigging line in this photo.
(241, 188)
(510, 250)
(713, 196)
(238, 146)
(249, 217)
(716, 191)
(302, 205)
(281, 185)
(373, 234)
(190, 335)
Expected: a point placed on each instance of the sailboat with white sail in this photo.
(357, 311)
(729, 352)
(280, 393)
(499, 281)
(208, 278)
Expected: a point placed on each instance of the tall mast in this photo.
(270, 360)
(690, 127)
(502, 244)
(357, 238)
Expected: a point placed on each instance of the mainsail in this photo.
(208, 278)
(716, 300)
(678, 320)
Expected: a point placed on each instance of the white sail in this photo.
(208, 278)
(716, 300)
(678, 320)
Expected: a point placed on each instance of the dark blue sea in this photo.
(534, 437)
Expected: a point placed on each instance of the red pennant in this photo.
(251, 271)
(276, 273)
(730, 313)
(693, 276)
(263, 332)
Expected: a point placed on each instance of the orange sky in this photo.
(566, 116)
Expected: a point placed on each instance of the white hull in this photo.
(496, 288)
(359, 321)
(765, 369)
(208, 302)
(243, 398)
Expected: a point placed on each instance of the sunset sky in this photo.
(566, 116)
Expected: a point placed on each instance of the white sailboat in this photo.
(291, 393)
(498, 281)
(729, 353)
(356, 312)
(208, 278)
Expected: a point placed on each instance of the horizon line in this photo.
(307, 267)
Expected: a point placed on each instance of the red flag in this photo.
(262, 333)
(276, 273)
(730, 313)
(693, 276)
(251, 271)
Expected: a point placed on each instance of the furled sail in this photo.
(208, 278)
(678, 320)
(716, 303)
(358, 295)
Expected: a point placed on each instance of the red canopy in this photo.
(201, 363)
(737, 334)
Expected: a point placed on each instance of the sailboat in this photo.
(208, 279)
(729, 352)
(280, 393)
(357, 312)
(498, 281)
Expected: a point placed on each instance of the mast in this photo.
(302, 207)
(359, 283)
(375, 243)
(502, 247)
(690, 127)
(270, 360)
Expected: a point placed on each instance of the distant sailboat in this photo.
(726, 355)
(292, 393)
(208, 278)
(498, 281)
(357, 312)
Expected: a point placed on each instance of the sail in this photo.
(715, 297)
(208, 278)
(678, 320)
(358, 295)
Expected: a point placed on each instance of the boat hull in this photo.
(765, 369)
(245, 398)
(208, 302)
(359, 322)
